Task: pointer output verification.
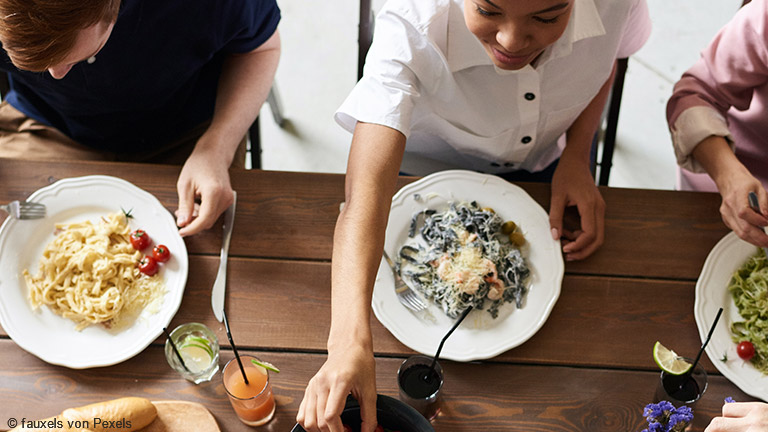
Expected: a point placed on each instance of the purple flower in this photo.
(664, 417)
(729, 400)
(680, 419)
(658, 411)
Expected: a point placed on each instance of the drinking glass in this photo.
(254, 403)
(199, 347)
(682, 389)
(419, 386)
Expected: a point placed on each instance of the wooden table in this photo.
(588, 369)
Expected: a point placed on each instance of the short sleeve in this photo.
(246, 24)
(636, 31)
(386, 93)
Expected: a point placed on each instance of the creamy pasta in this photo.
(462, 258)
(89, 274)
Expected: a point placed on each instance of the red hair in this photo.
(38, 34)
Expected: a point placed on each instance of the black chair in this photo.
(5, 86)
(364, 34)
(611, 122)
(254, 135)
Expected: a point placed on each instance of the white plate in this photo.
(51, 337)
(479, 336)
(712, 294)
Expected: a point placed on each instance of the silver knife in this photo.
(752, 197)
(217, 293)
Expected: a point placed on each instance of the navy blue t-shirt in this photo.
(153, 80)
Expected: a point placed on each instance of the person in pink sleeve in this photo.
(718, 118)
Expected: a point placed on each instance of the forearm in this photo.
(581, 133)
(371, 181)
(243, 87)
(716, 157)
(352, 272)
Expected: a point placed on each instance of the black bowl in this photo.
(391, 414)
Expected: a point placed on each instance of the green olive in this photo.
(508, 227)
(517, 239)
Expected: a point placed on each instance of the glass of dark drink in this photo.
(420, 386)
(683, 389)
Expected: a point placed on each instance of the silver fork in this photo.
(24, 210)
(405, 294)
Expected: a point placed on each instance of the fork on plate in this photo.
(24, 210)
(405, 294)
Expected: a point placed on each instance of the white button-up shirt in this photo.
(429, 77)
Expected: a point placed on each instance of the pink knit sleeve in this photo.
(730, 69)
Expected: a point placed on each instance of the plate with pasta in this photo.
(71, 291)
(721, 282)
(462, 238)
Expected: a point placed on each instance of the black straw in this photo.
(688, 374)
(234, 348)
(440, 347)
(173, 345)
(709, 336)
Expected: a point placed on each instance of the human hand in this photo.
(351, 369)
(573, 185)
(205, 178)
(735, 210)
(741, 417)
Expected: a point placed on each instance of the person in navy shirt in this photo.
(138, 80)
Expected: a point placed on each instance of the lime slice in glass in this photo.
(265, 365)
(669, 361)
(198, 342)
(196, 357)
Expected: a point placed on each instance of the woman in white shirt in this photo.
(509, 87)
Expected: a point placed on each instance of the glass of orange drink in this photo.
(254, 403)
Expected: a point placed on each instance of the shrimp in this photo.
(497, 289)
(490, 271)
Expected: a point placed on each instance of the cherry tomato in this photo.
(140, 239)
(161, 253)
(148, 266)
(745, 350)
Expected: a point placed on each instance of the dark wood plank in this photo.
(278, 214)
(655, 234)
(661, 234)
(513, 397)
(597, 321)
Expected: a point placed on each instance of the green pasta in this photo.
(749, 288)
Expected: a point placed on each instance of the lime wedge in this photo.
(669, 361)
(195, 341)
(265, 365)
(196, 358)
(205, 348)
(198, 339)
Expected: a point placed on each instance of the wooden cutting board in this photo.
(182, 416)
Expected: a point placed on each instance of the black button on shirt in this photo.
(530, 96)
(526, 139)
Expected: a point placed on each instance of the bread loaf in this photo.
(119, 415)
